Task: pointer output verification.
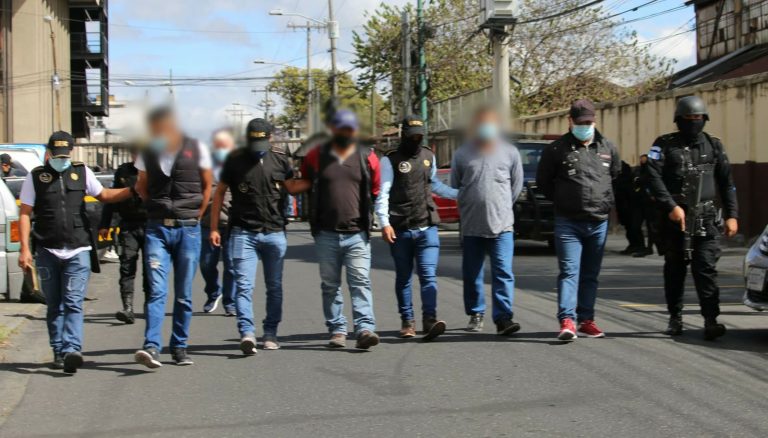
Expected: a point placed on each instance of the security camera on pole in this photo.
(498, 16)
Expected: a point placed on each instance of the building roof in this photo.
(746, 61)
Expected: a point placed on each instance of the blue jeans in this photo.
(424, 246)
(579, 246)
(179, 246)
(209, 269)
(64, 283)
(501, 250)
(352, 251)
(246, 248)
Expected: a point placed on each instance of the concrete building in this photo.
(53, 67)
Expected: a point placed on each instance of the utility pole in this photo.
(333, 35)
(310, 83)
(422, 70)
(373, 104)
(499, 40)
(55, 81)
(406, 27)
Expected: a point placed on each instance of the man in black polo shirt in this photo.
(175, 182)
(257, 228)
(343, 180)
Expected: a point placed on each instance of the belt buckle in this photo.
(169, 222)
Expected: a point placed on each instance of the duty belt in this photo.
(174, 223)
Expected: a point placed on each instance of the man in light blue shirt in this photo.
(489, 175)
(408, 217)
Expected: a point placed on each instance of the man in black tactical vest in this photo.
(687, 170)
(408, 217)
(133, 218)
(175, 183)
(64, 242)
(257, 228)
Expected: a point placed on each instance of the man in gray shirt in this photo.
(488, 173)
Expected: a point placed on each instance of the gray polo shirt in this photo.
(489, 183)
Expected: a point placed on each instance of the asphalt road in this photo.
(636, 382)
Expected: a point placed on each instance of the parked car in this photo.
(755, 267)
(11, 275)
(534, 214)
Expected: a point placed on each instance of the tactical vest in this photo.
(131, 210)
(60, 217)
(179, 195)
(410, 199)
(257, 202)
(704, 162)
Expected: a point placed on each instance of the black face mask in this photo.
(690, 128)
(410, 145)
(343, 141)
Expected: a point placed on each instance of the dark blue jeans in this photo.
(424, 247)
(501, 250)
(209, 268)
(580, 246)
(165, 247)
(246, 248)
(64, 284)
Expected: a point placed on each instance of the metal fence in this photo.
(102, 156)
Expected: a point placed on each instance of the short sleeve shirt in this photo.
(168, 158)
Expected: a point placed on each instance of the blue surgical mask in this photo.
(220, 155)
(583, 132)
(60, 164)
(487, 131)
(158, 144)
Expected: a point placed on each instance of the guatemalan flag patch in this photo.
(655, 153)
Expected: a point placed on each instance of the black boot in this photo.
(675, 327)
(713, 329)
(126, 315)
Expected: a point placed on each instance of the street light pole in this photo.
(422, 70)
(333, 35)
(310, 82)
(55, 81)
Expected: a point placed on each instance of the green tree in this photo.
(580, 54)
(291, 85)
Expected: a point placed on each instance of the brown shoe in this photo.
(408, 329)
(367, 339)
(433, 328)
(338, 340)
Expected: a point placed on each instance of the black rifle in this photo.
(694, 216)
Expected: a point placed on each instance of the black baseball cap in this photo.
(60, 144)
(412, 125)
(582, 111)
(258, 134)
(5, 159)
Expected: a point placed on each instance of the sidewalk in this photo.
(13, 316)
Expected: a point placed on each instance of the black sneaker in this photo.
(675, 326)
(149, 357)
(211, 304)
(72, 361)
(433, 328)
(180, 357)
(713, 330)
(125, 316)
(506, 327)
(230, 311)
(475, 323)
(58, 361)
(367, 339)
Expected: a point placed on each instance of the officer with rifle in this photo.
(687, 171)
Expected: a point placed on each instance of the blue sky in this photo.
(195, 38)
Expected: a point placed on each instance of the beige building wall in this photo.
(738, 111)
(31, 67)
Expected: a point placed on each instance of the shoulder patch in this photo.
(78, 163)
(38, 169)
(655, 152)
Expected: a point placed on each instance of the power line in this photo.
(560, 14)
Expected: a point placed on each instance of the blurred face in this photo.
(6, 167)
(166, 130)
(344, 137)
(485, 127)
(223, 141)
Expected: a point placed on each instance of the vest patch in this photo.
(404, 167)
(426, 163)
(243, 187)
(46, 177)
(74, 176)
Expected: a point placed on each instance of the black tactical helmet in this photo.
(689, 106)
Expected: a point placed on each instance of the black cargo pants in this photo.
(130, 243)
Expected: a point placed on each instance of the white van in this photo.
(11, 275)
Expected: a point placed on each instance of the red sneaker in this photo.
(589, 329)
(567, 330)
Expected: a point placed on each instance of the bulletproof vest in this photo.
(131, 210)
(257, 202)
(179, 195)
(410, 198)
(60, 217)
(698, 159)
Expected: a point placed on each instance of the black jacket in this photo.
(132, 212)
(666, 171)
(578, 179)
